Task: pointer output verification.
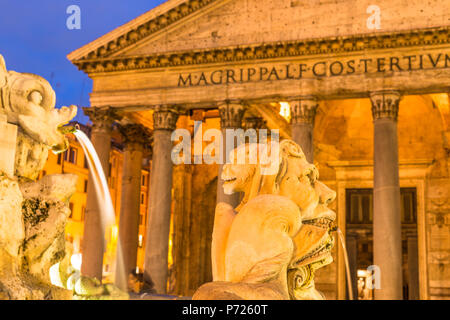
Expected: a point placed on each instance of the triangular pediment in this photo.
(193, 25)
(141, 28)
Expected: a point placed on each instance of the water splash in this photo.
(347, 266)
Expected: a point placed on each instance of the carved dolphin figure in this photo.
(271, 244)
(28, 100)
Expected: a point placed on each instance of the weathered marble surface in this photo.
(270, 245)
(33, 213)
(34, 260)
(7, 146)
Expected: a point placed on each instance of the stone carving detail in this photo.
(303, 110)
(385, 104)
(165, 118)
(92, 62)
(149, 27)
(270, 245)
(255, 123)
(438, 225)
(231, 115)
(28, 102)
(102, 118)
(33, 213)
(135, 134)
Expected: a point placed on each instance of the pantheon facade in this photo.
(363, 89)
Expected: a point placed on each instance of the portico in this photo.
(356, 103)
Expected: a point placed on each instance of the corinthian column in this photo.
(387, 239)
(303, 112)
(157, 240)
(230, 118)
(135, 136)
(93, 236)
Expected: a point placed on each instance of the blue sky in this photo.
(34, 38)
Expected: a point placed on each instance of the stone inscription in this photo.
(318, 69)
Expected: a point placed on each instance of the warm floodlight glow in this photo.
(285, 110)
(170, 256)
(55, 276)
(140, 240)
(441, 100)
(75, 260)
(362, 273)
(114, 233)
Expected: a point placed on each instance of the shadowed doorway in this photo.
(359, 238)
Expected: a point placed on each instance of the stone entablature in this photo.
(348, 75)
(183, 47)
(184, 24)
(300, 48)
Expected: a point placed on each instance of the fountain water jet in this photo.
(34, 256)
(101, 188)
(98, 178)
(347, 266)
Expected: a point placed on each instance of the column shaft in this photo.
(160, 200)
(386, 194)
(94, 235)
(303, 112)
(302, 134)
(135, 136)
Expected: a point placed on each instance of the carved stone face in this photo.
(301, 185)
(297, 180)
(28, 100)
(237, 176)
(313, 242)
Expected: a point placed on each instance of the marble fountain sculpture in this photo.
(270, 245)
(33, 213)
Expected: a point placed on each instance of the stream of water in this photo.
(347, 266)
(105, 204)
(99, 179)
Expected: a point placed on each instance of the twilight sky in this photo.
(34, 38)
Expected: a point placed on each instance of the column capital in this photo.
(231, 114)
(255, 123)
(303, 110)
(165, 117)
(102, 117)
(385, 104)
(135, 134)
